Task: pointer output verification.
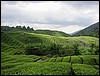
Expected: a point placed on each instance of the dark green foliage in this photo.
(6, 28)
(96, 67)
(28, 28)
(94, 49)
(17, 28)
(54, 48)
(24, 28)
(37, 49)
(66, 50)
(75, 47)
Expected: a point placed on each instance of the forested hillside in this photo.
(92, 30)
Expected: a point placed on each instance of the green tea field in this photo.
(30, 53)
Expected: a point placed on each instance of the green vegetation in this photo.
(47, 68)
(83, 69)
(19, 58)
(25, 51)
(59, 46)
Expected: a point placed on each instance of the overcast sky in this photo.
(66, 16)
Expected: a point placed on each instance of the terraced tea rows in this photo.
(48, 68)
(26, 37)
(15, 62)
(10, 41)
(83, 69)
(19, 58)
(81, 59)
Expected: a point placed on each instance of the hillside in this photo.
(41, 44)
(52, 33)
(29, 52)
(31, 30)
(92, 30)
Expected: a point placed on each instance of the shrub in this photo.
(52, 59)
(47, 68)
(66, 59)
(76, 59)
(88, 60)
(38, 49)
(83, 69)
(54, 48)
(59, 59)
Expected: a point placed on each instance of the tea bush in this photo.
(84, 69)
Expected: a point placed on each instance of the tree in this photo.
(28, 28)
(18, 27)
(31, 29)
(24, 28)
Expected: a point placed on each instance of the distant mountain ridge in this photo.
(92, 30)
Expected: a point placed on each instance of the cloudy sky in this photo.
(66, 16)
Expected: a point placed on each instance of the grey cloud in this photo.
(79, 4)
(9, 2)
(21, 16)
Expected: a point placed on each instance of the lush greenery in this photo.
(31, 65)
(40, 44)
(25, 51)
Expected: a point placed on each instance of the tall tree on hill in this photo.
(24, 28)
(18, 27)
(31, 29)
(28, 28)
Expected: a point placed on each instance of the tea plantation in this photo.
(33, 53)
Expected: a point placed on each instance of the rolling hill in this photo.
(41, 44)
(92, 30)
(46, 32)
(45, 52)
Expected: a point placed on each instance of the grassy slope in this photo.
(18, 39)
(25, 65)
(52, 33)
(26, 37)
(45, 32)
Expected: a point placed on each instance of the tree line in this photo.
(17, 27)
